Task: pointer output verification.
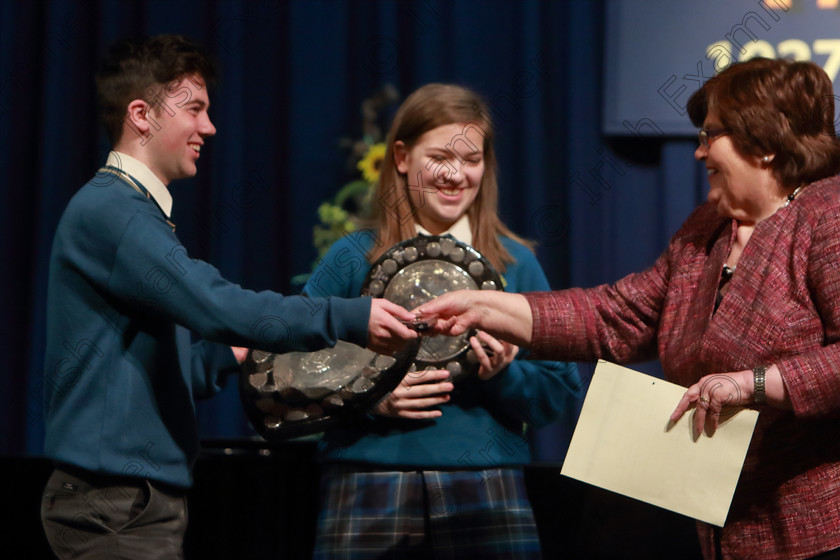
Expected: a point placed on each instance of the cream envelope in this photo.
(622, 443)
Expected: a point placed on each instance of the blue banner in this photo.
(659, 52)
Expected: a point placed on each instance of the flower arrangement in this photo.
(351, 205)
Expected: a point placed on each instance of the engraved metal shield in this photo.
(301, 393)
(422, 268)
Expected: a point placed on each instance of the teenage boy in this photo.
(121, 374)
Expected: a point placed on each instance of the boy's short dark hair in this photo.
(140, 68)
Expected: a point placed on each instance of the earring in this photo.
(766, 159)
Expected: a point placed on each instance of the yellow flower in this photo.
(372, 162)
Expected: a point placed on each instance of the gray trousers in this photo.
(94, 517)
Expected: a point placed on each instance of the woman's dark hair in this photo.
(141, 69)
(778, 107)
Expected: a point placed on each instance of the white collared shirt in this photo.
(142, 173)
(460, 230)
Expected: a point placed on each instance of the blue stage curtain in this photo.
(293, 76)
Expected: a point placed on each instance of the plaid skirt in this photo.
(425, 515)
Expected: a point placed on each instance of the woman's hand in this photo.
(416, 394)
(452, 313)
(504, 315)
(712, 396)
(492, 354)
(715, 395)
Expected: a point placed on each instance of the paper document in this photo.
(621, 444)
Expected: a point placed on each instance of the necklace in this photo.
(793, 195)
(727, 271)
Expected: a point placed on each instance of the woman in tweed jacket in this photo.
(743, 308)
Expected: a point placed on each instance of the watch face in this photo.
(301, 393)
(422, 268)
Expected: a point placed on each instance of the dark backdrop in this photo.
(293, 76)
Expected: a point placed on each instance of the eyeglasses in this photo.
(706, 135)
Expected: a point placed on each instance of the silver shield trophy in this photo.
(301, 393)
(420, 269)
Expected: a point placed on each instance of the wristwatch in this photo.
(758, 380)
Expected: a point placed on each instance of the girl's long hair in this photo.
(429, 107)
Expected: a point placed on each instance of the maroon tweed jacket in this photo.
(782, 306)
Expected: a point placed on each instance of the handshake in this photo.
(506, 316)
